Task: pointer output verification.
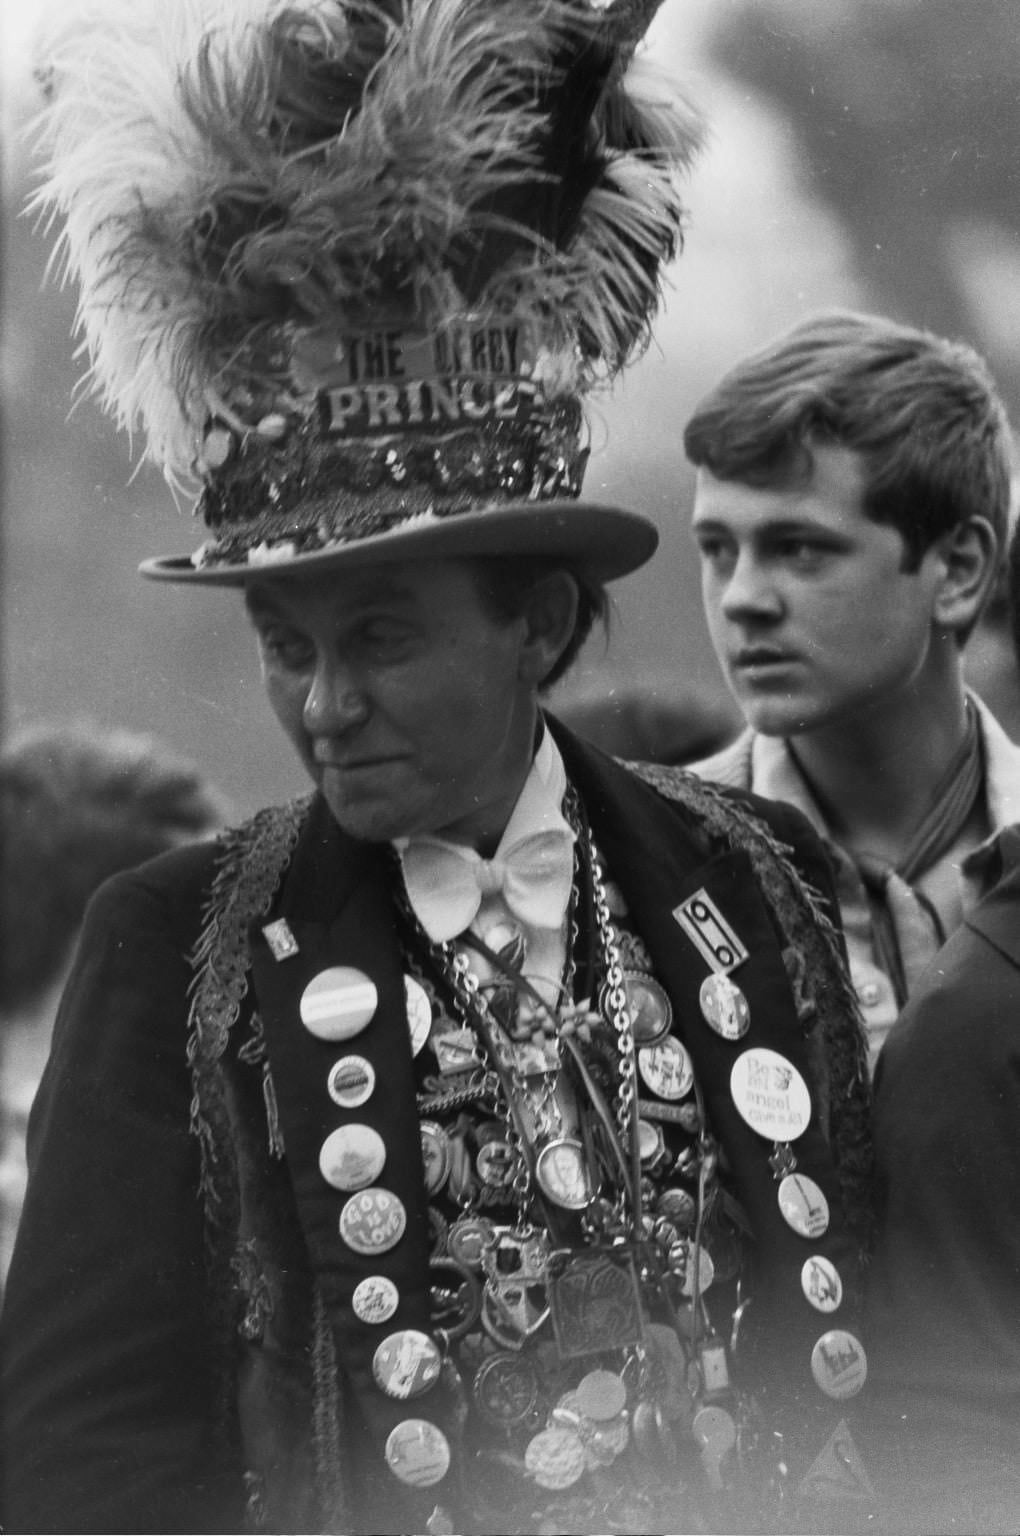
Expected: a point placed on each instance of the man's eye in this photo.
(286, 647)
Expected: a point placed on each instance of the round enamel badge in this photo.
(338, 1003)
(770, 1094)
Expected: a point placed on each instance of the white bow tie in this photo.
(446, 883)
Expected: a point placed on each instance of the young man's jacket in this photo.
(179, 1349)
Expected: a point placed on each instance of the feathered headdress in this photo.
(352, 265)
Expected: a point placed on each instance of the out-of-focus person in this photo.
(78, 803)
(942, 1301)
(650, 721)
(850, 511)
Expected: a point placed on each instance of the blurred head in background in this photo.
(77, 804)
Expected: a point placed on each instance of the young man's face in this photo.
(411, 707)
(813, 618)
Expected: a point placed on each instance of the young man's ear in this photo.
(970, 559)
(550, 614)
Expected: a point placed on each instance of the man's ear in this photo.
(550, 617)
(969, 557)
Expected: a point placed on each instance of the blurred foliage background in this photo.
(863, 153)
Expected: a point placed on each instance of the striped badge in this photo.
(710, 933)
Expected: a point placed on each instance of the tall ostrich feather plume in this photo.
(226, 170)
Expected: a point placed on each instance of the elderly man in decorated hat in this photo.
(479, 1143)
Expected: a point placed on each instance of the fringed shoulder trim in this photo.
(251, 861)
(826, 1001)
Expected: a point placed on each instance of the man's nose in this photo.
(334, 702)
(750, 591)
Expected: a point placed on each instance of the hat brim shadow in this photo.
(604, 542)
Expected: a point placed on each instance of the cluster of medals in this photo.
(587, 1254)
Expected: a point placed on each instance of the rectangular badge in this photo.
(282, 943)
(710, 933)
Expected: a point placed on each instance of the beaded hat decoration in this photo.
(352, 266)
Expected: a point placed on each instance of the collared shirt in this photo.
(954, 883)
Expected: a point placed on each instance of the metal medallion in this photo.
(770, 1094)
(595, 1300)
(561, 1173)
(435, 1151)
(651, 1144)
(839, 1364)
(352, 1157)
(406, 1363)
(803, 1205)
(693, 1280)
(651, 1012)
(677, 1206)
(338, 1003)
(666, 1068)
(373, 1221)
(375, 1299)
(724, 1006)
(455, 1050)
(496, 1163)
(468, 1238)
(418, 1453)
(455, 1298)
(351, 1082)
(821, 1283)
(506, 1388)
(555, 1458)
(419, 1013)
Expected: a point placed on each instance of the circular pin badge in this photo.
(555, 1457)
(601, 1395)
(351, 1082)
(468, 1239)
(352, 1157)
(338, 1003)
(803, 1205)
(406, 1363)
(724, 1007)
(418, 1453)
(666, 1068)
(375, 1299)
(714, 1429)
(561, 1173)
(373, 1221)
(651, 1012)
(821, 1284)
(419, 1013)
(506, 1388)
(770, 1094)
(839, 1364)
(435, 1151)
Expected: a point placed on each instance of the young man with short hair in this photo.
(851, 503)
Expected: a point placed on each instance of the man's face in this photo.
(403, 697)
(813, 618)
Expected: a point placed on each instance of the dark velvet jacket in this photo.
(179, 1348)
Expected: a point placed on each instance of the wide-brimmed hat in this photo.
(353, 266)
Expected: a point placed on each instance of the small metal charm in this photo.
(595, 1300)
(282, 943)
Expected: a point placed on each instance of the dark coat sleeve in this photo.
(107, 1401)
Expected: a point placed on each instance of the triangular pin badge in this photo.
(837, 1472)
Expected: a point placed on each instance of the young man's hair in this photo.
(923, 412)
(78, 804)
(504, 582)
